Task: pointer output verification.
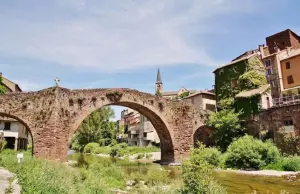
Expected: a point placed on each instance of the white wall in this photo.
(17, 130)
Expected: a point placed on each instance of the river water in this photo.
(235, 183)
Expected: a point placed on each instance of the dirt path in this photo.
(7, 183)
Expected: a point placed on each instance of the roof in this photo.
(236, 61)
(170, 93)
(200, 92)
(248, 93)
(158, 79)
(11, 85)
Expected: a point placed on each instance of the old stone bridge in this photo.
(53, 115)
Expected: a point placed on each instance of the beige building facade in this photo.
(281, 57)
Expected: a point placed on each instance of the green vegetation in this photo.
(249, 153)
(2, 88)
(227, 127)
(291, 163)
(118, 150)
(288, 144)
(197, 174)
(39, 176)
(2, 144)
(98, 128)
(184, 94)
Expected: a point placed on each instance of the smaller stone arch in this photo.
(203, 134)
(24, 123)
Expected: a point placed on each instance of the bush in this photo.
(102, 150)
(249, 153)
(197, 174)
(119, 150)
(90, 148)
(292, 164)
(211, 155)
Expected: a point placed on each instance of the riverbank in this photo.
(274, 173)
(8, 182)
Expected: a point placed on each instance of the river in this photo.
(235, 183)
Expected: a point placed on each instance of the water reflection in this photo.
(235, 183)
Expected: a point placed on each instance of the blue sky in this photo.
(121, 43)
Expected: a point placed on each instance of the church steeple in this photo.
(158, 78)
(158, 84)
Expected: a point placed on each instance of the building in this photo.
(281, 58)
(204, 99)
(14, 132)
(138, 129)
(172, 95)
(245, 94)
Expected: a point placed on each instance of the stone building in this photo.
(281, 58)
(203, 99)
(228, 85)
(14, 132)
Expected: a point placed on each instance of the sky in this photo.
(121, 43)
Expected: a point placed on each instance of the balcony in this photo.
(289, 100)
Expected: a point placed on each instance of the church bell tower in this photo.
(158, 84)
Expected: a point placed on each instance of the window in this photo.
(288, 65)
(290, 79)
(145, 135)
(233, 83)
(7, 126)
(269, 71)
(288, 122)
(268, 63)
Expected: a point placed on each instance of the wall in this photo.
(273, 118)
(223, 79)
(282, 40)
(294, 71)
(17, 130)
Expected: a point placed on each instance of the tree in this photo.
(227, 127)
(97, 128)
(2, 88)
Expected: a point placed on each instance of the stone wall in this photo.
(53, 115)
(273, 119)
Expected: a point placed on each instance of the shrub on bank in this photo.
(250, 153)
(197, 174)
(90, 148)
(292, 164)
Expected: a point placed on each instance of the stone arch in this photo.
(23, 122)
(203, 134)
(161, 126)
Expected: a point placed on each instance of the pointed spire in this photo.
(158, 79)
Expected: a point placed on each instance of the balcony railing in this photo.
(288, 100)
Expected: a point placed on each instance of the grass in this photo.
(39, 176)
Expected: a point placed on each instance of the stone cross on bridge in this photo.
(53, 115)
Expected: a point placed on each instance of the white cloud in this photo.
(27, 85)
(115, 35)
